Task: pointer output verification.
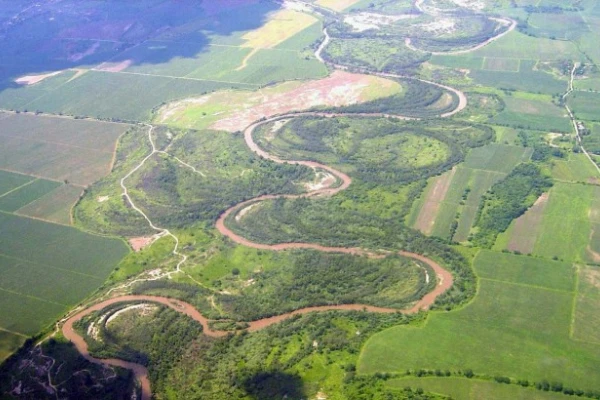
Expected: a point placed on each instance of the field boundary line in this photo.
(34, 297)
(69, 117)
(40, 177)
(526, 285)
(55, 143)
(50, 266)
(14, 332)
(19, 187)
(34, 218)
(173, 77)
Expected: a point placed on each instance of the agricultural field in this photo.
(565, 225)
(126, 170)
(448, 208)
(473, 389)
(45, 269)
(585, 105)
(205, 49)
(518, 326)
(61, 149)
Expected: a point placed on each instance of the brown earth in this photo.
(339, 89)
(525, 232)
(138, 243)
(431, 206)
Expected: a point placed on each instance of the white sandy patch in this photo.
(145, 309)
(364, 21)
(323, 180)
(245, 211)
(33, 79)
(102, 199)
(472, 4)
(443, 25)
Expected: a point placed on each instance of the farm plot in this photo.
(528, 79)
(586, 321)
(54, 206)
(516, 329)
(523, 233)
(576, 169)
(56, 148)
(46, 268)
(25, 194)
(337, 5)
(453, 214)
(565, 226)
(497, 157)
(585, 105)
(138, 95)
(501, 64)
(528, 111)
(10, 181)
(473, 389)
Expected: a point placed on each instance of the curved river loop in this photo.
(444, 278)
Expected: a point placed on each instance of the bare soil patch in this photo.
(138, 243)
(33, 79)
(592, 276)
(431, 206)
(364, 21)
(525, 231)
(114, 66)
(339, 89)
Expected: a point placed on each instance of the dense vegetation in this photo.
(507, 200)
(176, 195)
(328, 222)
(314, 278)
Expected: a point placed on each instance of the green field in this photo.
(78, 151)
(26, 194)
(585, 105)
(483, 167)
(514, 329)
(46, 268)
(10, 181)
(566, 224)
(54, 206)
(473, 389)
(577, 169)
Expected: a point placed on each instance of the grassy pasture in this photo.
(565, 224)
(501, 64)
(46, 268)
(337, 5)
(26, 194)
(576, 169)
(565, 25)
(519, 330)
(58, 148)
(585, 105)
(281, 26)
(473, 389)
(527, 79)
(497, 157)
(586, 321)
(54, 206)
(518, 45)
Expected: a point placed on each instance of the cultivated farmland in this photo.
(77, 151)
(47, 268)
(514, 329)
